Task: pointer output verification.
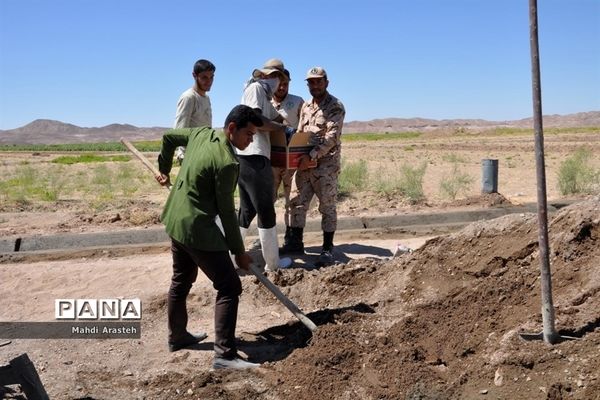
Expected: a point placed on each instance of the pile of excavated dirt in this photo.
(482, 200)
(440, 323)
(460, 302)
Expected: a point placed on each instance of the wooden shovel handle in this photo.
(142, 158)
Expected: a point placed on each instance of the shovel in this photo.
(255, 271)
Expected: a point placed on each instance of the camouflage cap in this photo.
(316, 72)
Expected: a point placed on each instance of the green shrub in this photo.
(55, 182)
(457, 182)
(23, 184)
(576, 175)
(409, 183)
(353, 177)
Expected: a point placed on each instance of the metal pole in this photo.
(550, 335)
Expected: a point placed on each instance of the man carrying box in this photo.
(323, 117)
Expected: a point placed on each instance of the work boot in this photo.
(233, 363)
(326, 256)
(295, 244)
(325, 259)
(188, 339)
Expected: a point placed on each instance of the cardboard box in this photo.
(285, 155)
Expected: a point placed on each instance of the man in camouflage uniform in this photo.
(323, 117)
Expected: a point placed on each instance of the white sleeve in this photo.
(255, 96)
(251, 96)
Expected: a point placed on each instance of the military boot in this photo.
(326, 257)
(295, 244)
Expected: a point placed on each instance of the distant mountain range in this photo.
(45, 131)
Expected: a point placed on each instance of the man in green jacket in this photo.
(204, 189)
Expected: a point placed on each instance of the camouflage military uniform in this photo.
(324, 121)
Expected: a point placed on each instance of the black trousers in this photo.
(217, 266)
(256, 191)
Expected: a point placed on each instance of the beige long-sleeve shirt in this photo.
(193, 110)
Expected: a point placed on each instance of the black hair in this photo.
(287, 73)
(241, 115)
(203, 65)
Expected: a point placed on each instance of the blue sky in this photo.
(92, 63)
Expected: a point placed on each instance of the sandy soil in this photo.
(440, 323)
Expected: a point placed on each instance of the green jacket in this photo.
(204, 189)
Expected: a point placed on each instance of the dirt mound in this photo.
(129, 215)
(483, 200)
(440, 323)
(464, 300)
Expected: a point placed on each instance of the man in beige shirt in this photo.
(193, 108)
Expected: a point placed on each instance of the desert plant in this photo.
(576, 175)
(454, 159)
(28, 184)
(102, 176)
(455, 183)
(54, 184)
(353, 177)
(409, 183)
(23, 184)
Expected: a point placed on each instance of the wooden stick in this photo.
(140, 156)
(255, 271)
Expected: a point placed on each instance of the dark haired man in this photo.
(204, 189)
(193, 108)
